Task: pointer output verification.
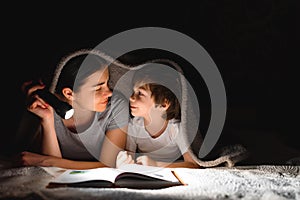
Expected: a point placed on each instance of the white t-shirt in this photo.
(168, 147)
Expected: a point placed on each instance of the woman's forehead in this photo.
(98, 76)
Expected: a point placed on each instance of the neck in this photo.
(155, 126)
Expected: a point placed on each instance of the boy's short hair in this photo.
(163, 86)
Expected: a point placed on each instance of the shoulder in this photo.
(173, 128)
(174, 123)
(136, 124)
(137, 121)
(117, 109)
(118, 98)
(118, 103)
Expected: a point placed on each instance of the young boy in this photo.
(153, 132)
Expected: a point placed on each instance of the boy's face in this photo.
(141, 102)
(94, 93)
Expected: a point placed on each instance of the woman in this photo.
(96, 133)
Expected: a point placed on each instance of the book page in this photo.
(155, 172)
(76, 176)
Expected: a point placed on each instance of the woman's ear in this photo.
(68, 93)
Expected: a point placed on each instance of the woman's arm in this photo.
(50, 144)
(34, 159)
(43, 110)
(114, 142)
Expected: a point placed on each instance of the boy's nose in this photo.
(132, 97)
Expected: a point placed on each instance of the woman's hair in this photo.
(158, 82)
(74, 68)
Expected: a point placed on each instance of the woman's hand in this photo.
(29, 87)
(34, 103)
(39, 107)
(34, 159)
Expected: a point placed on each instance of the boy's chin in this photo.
(135, 115)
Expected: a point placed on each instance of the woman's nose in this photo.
(107, 92)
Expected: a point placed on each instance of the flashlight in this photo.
(63, 109)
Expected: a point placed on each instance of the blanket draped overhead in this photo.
(189, 131)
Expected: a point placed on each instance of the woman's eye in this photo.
(97, 89)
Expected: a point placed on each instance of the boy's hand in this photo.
(123, 158)
(145, 160)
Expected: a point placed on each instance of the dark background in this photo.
(253, 43)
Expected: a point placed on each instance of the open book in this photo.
(128, 176)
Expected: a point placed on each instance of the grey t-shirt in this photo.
(87, 145)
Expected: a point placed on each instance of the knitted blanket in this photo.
(120, 79)
(238, 182)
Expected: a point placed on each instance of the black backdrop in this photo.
(253, 43)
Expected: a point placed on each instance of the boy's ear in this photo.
(68, 93)
(165, 105)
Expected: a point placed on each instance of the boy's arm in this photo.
(187, 163)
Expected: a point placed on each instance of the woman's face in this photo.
(94, 93)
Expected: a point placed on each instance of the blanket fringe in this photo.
(229, 157)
